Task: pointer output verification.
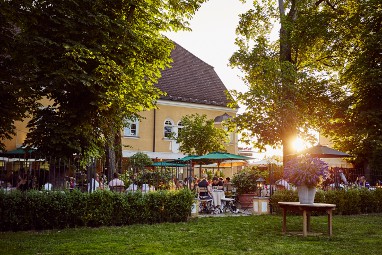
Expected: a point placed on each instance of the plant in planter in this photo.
(306, 173)
(245, 184)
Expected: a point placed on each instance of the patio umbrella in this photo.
(219, 157)
(322, 151)
(186, 158)
(168, 164)
(266, 162)
(19, 152)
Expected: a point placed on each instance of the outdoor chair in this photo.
(119, 189)
(229, 190)
(205, 201)
(229, 205)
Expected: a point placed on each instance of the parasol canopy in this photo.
(322, 151)
(266, 162)
(221, 156)
(168, 164)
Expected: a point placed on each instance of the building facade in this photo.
(192, 87)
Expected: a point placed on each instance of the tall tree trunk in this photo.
(289, 131)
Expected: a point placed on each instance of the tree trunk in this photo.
(288, 125)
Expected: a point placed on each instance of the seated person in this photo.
(116, 181)
(132, 187)
(217, 184)
(22, 183)
(94, 184)
(147, 187)
(204, 184)
(48, 186)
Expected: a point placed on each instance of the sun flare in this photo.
(299, 144)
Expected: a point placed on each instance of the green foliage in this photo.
(356, 126)
(290, 90)
(200, 136)
(348, 202)
(95, 61)
(34, 210)
(245, 180)
(140, 160)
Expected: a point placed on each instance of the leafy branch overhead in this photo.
(95, 63)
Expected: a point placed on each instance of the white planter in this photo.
(306, 194)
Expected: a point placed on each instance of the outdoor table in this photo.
(306, 210)
(217, 196)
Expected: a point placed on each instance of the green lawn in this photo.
(361, 234)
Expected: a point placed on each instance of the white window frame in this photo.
(168, 128)
(179, 127)
(128, 131)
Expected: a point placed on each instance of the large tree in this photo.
(357, 124)
(15, 98)
(96, 61)
(290, 87)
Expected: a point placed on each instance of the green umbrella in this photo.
(18, 152)
(168, 164)
(186, 158)
(219, 157)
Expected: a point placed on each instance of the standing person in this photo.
(116, 181)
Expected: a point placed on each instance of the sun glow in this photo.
(299, 144)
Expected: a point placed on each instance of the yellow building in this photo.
(192, 86)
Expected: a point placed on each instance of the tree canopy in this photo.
(290, 88)
(356, 126)
(95, 61)
(200, 136)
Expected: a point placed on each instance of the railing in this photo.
(52, 173)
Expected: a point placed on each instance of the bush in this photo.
(245, 180)
(36, 210)
(348, 202)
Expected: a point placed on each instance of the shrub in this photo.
(245, 180)
(35, 210)
(352, 201)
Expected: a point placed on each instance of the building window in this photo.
(180, 126)
(131, 129)
(168, 128)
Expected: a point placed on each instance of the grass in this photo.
(361, 234)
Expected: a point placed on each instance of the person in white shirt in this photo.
(132, 187)
(94, 184)
(116, 181)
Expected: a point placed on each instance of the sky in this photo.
(213, 36)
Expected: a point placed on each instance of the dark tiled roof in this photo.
(191, 80)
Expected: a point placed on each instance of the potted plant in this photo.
(246, 185)
(306, 173)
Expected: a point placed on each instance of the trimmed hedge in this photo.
(352, 201)
(36, 210)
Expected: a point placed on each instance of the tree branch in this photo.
(131, 13)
